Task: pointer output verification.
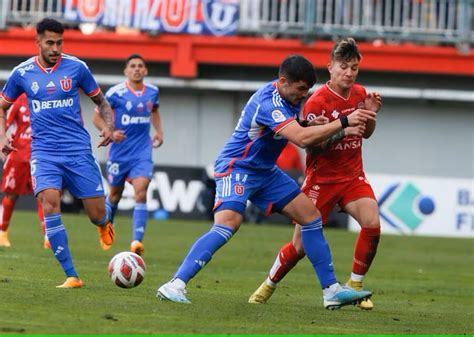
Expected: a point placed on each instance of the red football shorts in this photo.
(16, 177)
(326, 196)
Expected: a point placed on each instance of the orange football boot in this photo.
(107, 234)
(71, 282)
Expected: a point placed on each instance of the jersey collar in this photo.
(49, 70)
(136, 93)
(335, 93)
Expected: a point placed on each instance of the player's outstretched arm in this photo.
(107, 115)
(5, 142)
(156, 121)
(303, 137)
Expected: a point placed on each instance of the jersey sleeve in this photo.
(274, 115)
(111, 98)
(12, 88)
(87, 82)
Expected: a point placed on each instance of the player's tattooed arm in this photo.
(107, 115)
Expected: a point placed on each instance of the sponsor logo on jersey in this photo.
(34, 87)
(66, 84)
(278, 116)
(140, 107)
(52, 104)
(127, 119)
(51, 88)
(348, 145)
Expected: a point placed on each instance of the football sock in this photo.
(101, 222)
(286, 259)
(140, 216)
(201, 252)
(41, 216)
(317, 250)
(365, 249)
(110, 209)
(59, 244)
(8, 206)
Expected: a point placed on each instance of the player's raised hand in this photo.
(157, 140)
(118, 136)
(5, 145)
(361, 116)
(373, 101)
(107, 136)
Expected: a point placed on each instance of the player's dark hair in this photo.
(132, 57)
(50, 25)
(346, 50)
(297, 68)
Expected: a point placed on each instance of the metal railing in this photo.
(447, 21)
(26, 12)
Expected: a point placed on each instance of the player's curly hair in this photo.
(346, 50)
(51, 25)
(297, 68)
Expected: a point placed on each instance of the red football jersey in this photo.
(19, 115)
(342, 161)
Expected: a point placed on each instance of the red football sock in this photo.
(41, 215)
(365, 249)
(8, 206)
(287, 258)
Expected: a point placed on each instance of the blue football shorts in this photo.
(119, 171)
(79, 173)
(270, 191)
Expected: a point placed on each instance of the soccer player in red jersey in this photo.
(16, 178)
(334, 170)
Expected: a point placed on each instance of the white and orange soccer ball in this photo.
(127, 269)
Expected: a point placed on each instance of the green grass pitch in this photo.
(421, 285)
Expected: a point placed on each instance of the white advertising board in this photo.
(430, 206)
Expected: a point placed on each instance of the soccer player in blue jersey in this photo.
(61, 148)
(136, 107)
(245, 170)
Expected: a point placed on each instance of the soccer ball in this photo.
(127, 269)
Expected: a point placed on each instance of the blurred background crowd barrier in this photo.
(432, 21)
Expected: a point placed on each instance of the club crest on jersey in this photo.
(66, 84)
(149, 106)
(128, 105)
(335, 114)
(34, 87)
(239, 189)
(278, 116)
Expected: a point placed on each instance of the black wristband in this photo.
(344, 121)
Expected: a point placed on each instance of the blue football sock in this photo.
(140, 216)
(202, 250)
(57, 237)
(317, 249)
(110, 209)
